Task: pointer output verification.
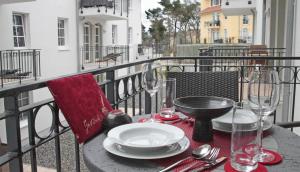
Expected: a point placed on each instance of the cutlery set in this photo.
(205, 153)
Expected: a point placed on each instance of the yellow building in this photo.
(217, 28)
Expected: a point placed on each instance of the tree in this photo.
(157, 28)
(173, 11)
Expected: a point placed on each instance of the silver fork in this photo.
(211, 158)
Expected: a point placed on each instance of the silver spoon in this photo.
(198, 153)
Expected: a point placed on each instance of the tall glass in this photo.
(263, 96)
(151, 80)
(244, 136)
(168, 95)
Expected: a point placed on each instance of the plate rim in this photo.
(109, 148)
(115, 132)
(269, 126)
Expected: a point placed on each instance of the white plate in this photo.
(146, 135)
(245, 117)
(164, 152)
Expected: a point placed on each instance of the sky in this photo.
(148, 4)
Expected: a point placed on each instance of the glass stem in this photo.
(260, 132)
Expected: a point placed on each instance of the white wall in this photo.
(42, 32)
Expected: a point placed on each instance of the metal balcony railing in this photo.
(19, 65)
(126, 93)
(117, 6)
(103, 56)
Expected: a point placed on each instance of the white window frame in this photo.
(63, 37)
(130, 35)
(87, 52)
(114, 34)
(23, 27)
(97, 42)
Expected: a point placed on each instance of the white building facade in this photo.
(277, 25)
(60, 29)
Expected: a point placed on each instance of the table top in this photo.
(97, 159)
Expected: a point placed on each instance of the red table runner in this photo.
(220, 139)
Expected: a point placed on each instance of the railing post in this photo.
(20, 69)
(110, 76)
(31, 134)
(57, 139)
(13, 132)
(34, 64)
(114, 6)
(77, 157)
(148, 103)
(1, 70)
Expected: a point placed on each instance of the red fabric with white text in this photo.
(82, 102)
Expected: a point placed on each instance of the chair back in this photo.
(220, 84)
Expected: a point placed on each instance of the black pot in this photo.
(116, 118)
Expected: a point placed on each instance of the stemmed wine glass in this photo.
(151, 80)
(263, 96)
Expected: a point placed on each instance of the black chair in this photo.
(220, 84)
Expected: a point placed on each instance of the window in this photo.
(215, 2)
(97, 42)
(114, 34)
(23, 100)
(19, 30)
(130, 35)
(245, 33)
(61, 31)
(86, 42)
(245, 19)
(225, 34)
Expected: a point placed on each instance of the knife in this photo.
(209, 165)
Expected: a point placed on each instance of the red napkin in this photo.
(82, 102)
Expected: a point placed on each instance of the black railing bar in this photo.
(5, 92)
(27, 49)
(227, 57)
(42, 83)
(7, 114)
(128, 76)
(27, 148)
(7, 157)
(236, 66)
(35, 105)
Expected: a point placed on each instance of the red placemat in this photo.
(228, 168)
(221, 140)
(277, 159)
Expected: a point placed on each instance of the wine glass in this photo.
(263, 96)
(151, 80)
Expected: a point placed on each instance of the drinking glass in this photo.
(168, 95)
(263, 96)
(151, 80)
(244, 136)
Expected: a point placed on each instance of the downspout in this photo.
(77, 36)
(253, 25)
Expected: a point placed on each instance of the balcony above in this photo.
(13, 1)
(238, 7)
(104, 9)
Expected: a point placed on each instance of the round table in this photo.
(97, 159)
